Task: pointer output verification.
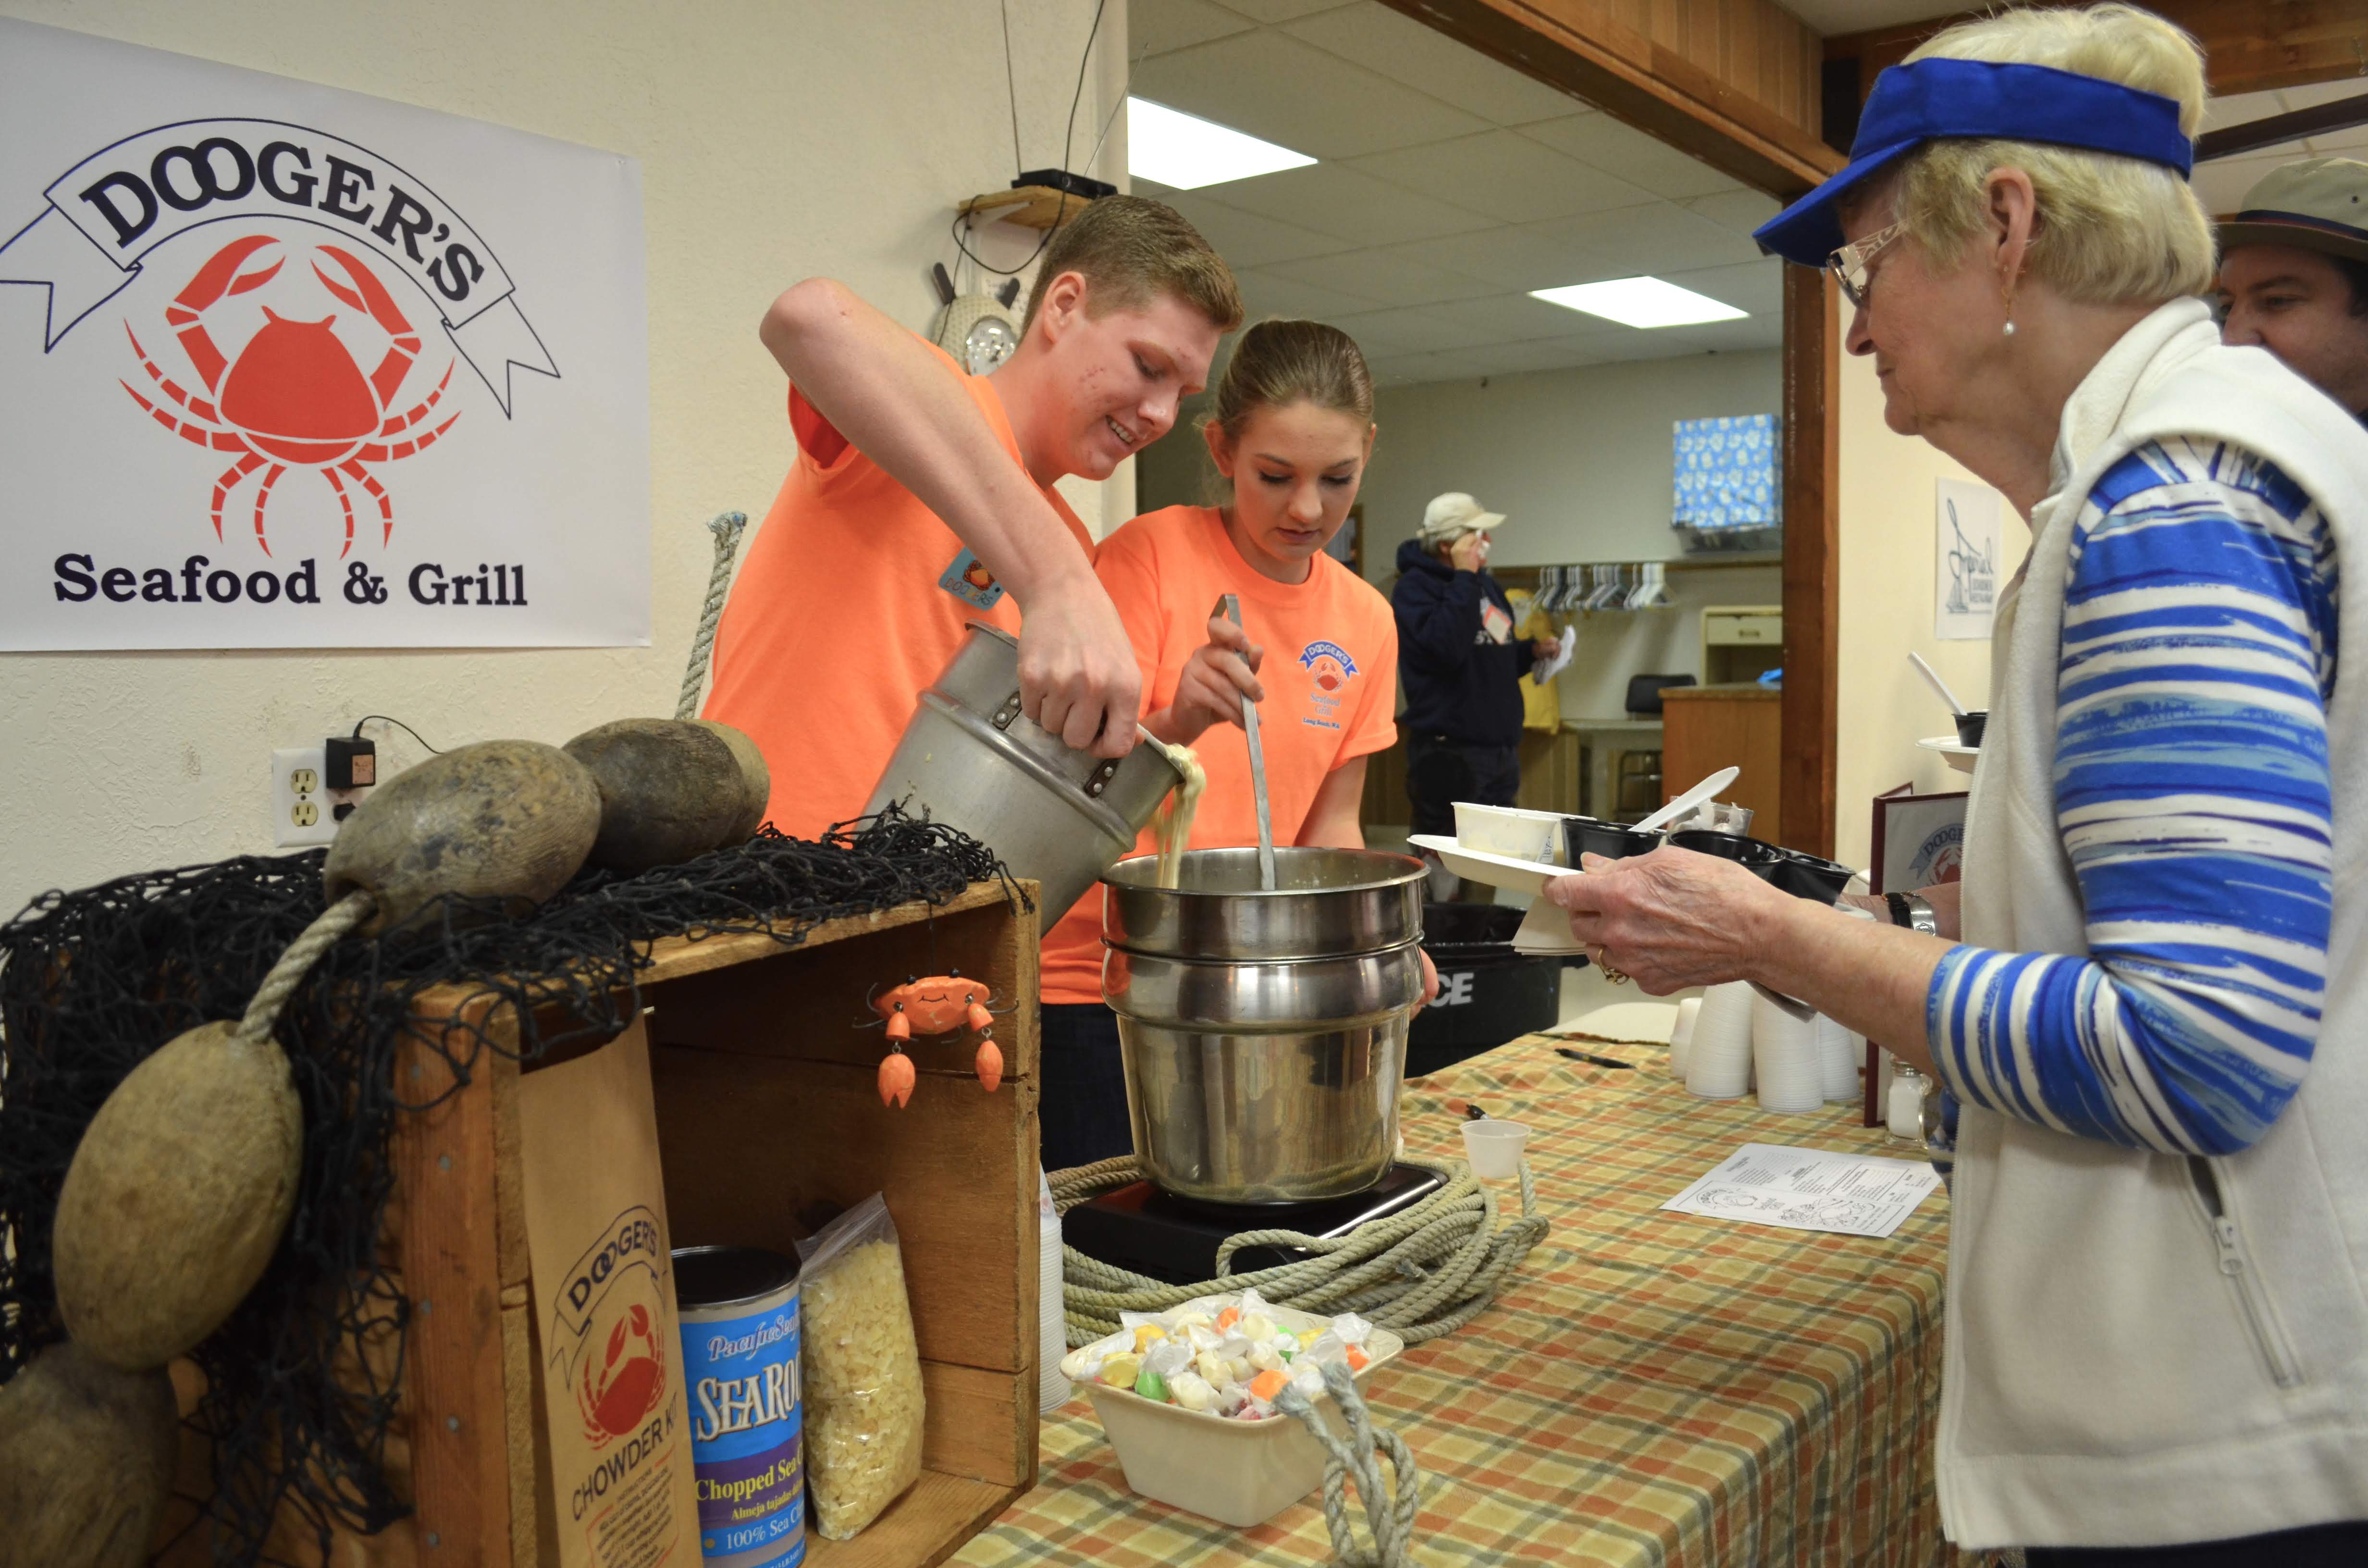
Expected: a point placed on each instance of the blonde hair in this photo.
(2107, 229)
(1130, 250)
(1278, 363)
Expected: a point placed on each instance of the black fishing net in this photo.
(92, 981)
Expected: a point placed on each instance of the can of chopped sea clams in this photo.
(739, 1313)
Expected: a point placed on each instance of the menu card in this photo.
(1809, 1189)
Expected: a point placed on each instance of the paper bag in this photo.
(621, 1489)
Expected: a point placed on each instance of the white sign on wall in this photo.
(1968, 567)
(297, 368)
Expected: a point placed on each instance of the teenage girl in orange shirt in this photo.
(1292, 432)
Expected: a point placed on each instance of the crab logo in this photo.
(1329, 663)
(622, 1384)
(293, 396)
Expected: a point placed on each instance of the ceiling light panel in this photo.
(1640, 301)
(1187, 153)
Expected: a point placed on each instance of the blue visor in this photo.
(1916, 103)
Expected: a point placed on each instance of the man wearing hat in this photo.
(2293, 274)
(1461, 664)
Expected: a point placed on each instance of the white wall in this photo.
(1889, 550)
(779, 139)
(1579, 462)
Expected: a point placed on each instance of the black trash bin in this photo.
(1487, 993)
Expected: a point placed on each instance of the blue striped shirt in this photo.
(2198, 653)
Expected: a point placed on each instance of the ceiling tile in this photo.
(2238, 109)
(1742, 211)
(1505, 175)
(1277, 10)
(1416, 329)
(1382, 277)
(2319, 93)
(1245, 239)
(1413, 368)
(1270, 85)
(1541, 354)
(1657, 239)
(1505, 256)
(1508, 318)
(1265, 294)
(1156, 27)
(2340, 144)
(1332, 198)
(2221, 185)
(1754, 285)
(1606, 144)
(1404, 50)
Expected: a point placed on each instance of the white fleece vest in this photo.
(2120, 1369)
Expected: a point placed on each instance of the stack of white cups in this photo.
(1840, 1055)
(1718, 1060)
(1784, 1060)
(1682, 1036)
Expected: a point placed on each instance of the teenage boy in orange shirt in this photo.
(1317, 650)
(922, 499)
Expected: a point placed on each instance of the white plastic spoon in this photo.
(1929, 674)
(1690, 799)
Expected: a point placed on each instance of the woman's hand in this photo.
(1430, 981)
(1209, 691)
(1469, 554)
(1673, 918)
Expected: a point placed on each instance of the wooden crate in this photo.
(768, 1123)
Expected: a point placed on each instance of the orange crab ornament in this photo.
(933, 1005)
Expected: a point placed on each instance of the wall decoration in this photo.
(290, 367)
(1967, 569)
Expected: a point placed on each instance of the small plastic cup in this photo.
(1493, 1148)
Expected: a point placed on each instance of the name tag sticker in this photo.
(969, 580)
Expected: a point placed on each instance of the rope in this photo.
(1423, 1271)
(725, 527)
(263, 1013)
(1390, 1518)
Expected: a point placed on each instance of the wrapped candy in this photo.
(1231, 1363)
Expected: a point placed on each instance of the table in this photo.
(1653, 1388)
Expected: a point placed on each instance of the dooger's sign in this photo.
(262, 381)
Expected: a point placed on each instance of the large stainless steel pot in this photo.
(1265, 1044)
(972, 759)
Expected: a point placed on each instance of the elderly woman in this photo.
(2153, 1005)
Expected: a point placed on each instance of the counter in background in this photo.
(1706, 728)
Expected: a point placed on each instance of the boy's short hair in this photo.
(1130, 250)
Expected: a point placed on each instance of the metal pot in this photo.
(1264, 1043)
(1325, 903)
(970, 758)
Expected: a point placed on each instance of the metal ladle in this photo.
(1230, 607)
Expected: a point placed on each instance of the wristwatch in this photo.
(1914, 912)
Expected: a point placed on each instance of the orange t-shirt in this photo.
(853, 597)
(1330, 673)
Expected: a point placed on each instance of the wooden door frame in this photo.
(1581, 48)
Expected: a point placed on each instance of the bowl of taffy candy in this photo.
(1187, 1398)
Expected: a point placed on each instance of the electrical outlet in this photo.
(303, 812)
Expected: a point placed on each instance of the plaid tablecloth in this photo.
(1653, 1388)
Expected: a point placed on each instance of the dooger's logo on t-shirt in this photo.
(1329, 663)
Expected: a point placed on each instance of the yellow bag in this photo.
(1541, 703)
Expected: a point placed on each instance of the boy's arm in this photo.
(1336, 819)
(885, 392)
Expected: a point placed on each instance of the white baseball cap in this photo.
(1453, 515)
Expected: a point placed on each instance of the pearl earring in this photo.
(2010, 327)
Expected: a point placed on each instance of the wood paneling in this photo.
(1706, 728)
(1812, 558)
(1735, 83)
(2249, 45)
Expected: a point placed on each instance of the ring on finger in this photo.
(1603, 963)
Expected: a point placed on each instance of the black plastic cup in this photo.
(1760, 860)
(1810, 876)
(1613, 840)
(1970, 727)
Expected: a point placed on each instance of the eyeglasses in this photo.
(1850, 263)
